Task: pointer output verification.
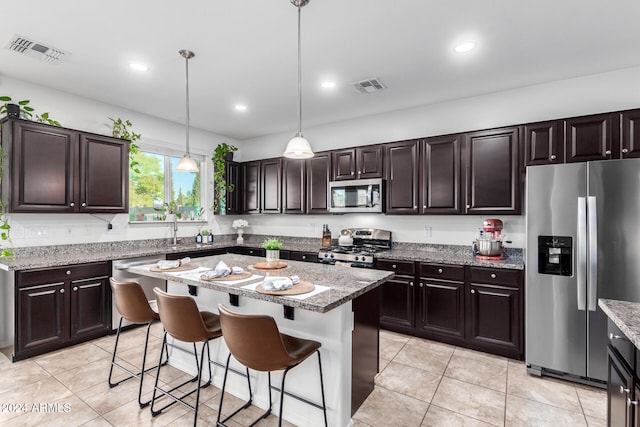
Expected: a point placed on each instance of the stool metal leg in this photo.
(324, 404)
(245, 406)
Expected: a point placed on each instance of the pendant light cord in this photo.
(187, 97)
(299, 78)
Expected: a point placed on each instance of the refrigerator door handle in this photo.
(592, 263)
(581, 267)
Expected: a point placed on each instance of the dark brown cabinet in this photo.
(360, 162)
(61, 306)
(233, 199)
(294, 186)
(440, 180)
(397, 312)
(403, 177)
(593, 137)
(493, 180)
(58, 170)
(623, 383)
(271, 185)
(318, 175)
(543, 143)
(630, 140)
(251, 181)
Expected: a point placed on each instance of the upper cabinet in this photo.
(233, 199)
(251, 183)
(492, 171)
(403, 181)
(440, 180)
(271, 181)
(293, 185)
(355, 163)
(591, 138)
(630, 140)
(543, 143)
(318, 169)
(54, 169)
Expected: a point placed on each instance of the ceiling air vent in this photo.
(369, 85)
(36, 50)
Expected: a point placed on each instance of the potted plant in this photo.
(207, 236)
(239, 225)
(221, 155)
(272, 246)
(121, 129)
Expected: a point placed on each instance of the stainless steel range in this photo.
(357, 247)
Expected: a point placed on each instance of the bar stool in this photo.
(133, 306)
(256, 342)
(183, 321)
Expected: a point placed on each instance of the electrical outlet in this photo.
(312, 228)
(427, 231)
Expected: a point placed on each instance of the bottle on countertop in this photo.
(326, 236)
(199, 238)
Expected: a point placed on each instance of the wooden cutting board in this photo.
(301, 287)
(185, 267)
(263, 265)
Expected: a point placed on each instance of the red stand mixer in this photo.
(488, 245)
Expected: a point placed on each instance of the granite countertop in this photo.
(345, 284)
(450, 254)
(625, 315)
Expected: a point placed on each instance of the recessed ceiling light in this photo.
(328, 84)
(240, 107)
(138, 67)
(465, 46)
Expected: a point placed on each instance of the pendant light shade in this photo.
(187, 164)
(298, 147)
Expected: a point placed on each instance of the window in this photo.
(158, 187)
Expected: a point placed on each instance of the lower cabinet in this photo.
(474, 307)
(57, 307)
(623, 383)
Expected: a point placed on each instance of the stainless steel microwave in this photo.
(358, 195)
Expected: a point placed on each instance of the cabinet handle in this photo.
(393, 266)
(421, 284)
(607, 152)
(72, 204)
(631, 402)
(304, 257)
(75, 289)
(62, 291)
(625, 150)
(84, 205)
(616, 337)
(473, 291)
(440, 270)
(468, 206)
(410, 283)
(424, 206)
(68, 272)
(415, 207)
(553, 157)
(623, 390)
(493, 275)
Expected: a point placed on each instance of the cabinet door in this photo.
(43, 168)
(402, 177)
(493, 172)
(304, 256)
(251, 173)
(90, 302)
(233, 198)
(619, 387)
(104, 174)
(344, 164)
(270, 180)
(493, 318)
(42, 322)
(318, 174)
(591, 138)
(543, 144)
(441, 312)
(293, 186)
(397, 312)
(369, 161)
(630, 134)
(441, 175)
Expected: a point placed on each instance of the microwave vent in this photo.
(369, 85)
(35, 50)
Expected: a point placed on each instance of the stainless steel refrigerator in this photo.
(583, 243)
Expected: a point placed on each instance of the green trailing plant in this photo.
(44, 118)
(122, 129)
(220, 186)
(272, 244)
(24, 106)
(5, 227)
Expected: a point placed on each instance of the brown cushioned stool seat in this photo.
(256, 342)
(183, 321)
(133, 306)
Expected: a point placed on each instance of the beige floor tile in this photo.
(394, 336)
(524, 412)
(387, 408)
(390, 347)
(440, 417)
(97, 422)
(471, 400)
(432, 345)
(88, 375)
(132, 415)
(596, 422)
(541, 389)
(425, 356)
(474, 371)
(64, 412)
(482, 357)
(134, 355)
(409, 381)
(72, 357)
(593, 401)
(21, 399)
(20, 374)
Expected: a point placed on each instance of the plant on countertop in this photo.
(220, 186)
(205, 232)
(272, 244)
(121, 129)
(27, 111)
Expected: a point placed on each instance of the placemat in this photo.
(263, 265)
(185, 267)
(301, 287)
(229, 278)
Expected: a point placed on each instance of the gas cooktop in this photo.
(366, 243)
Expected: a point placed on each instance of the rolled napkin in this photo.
(237, 270)
(275, 283)
(166, 265)
(221, 270)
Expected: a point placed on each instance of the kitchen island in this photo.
(342, 313)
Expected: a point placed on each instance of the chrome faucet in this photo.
(175, 229)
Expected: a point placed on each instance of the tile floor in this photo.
(421, 383)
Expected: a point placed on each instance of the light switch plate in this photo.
(427, 231)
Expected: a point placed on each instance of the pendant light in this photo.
(187, 164)
(298, 147)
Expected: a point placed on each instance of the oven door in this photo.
(360, 195)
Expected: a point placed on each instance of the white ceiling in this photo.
(246, 53)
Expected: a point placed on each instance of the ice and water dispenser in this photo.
(555, 254)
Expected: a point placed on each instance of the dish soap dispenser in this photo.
(326, 236)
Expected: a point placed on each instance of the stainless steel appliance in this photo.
(366, 242)
(582, 244)
(358, 195)
(488, 245)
